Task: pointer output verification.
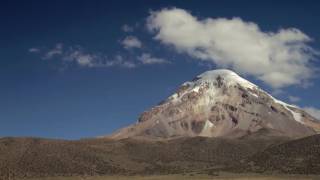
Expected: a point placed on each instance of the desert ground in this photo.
(191, 177)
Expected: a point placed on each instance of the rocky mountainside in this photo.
(220, 103)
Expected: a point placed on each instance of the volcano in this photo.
(220, 103)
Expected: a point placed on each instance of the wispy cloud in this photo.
(294, 99)
(78, 56)
(277, 92)
(146, 58)
(118, 60)
(284, 57)
(56, 51)
(82, 58)
(127, 28)
(315, 112)
(34, 50)
(130, 42)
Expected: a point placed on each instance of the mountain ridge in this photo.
(220, 103)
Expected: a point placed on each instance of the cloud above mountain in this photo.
(294, 99)
(130, 42)
(313, 111)
(279, 59)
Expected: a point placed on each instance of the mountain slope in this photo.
(300, 156)
(220, 103)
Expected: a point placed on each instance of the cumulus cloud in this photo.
(76, 55)
(294, 99)
(127, 28)
(131, 42)
(279, 58)
(313, 112)
(146, 58)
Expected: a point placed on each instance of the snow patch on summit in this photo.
(230, 77)
(210, 79)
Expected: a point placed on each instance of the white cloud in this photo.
(81, 58)
(277, 58)
(34, 50)
(294, 99)
(76, 55)
(118, 60)
(127, 28)
(131, 42)
(313, 112)
(277, 92)
(57, 50)
(146, 58)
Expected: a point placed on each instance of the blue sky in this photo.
(73, 69)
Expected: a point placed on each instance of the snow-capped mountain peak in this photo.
(227, 75)
(220, 103)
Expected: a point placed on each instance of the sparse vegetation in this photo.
(188, 177)
(188, 157)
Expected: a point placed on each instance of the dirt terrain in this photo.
(33, 157)
(192, 177)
